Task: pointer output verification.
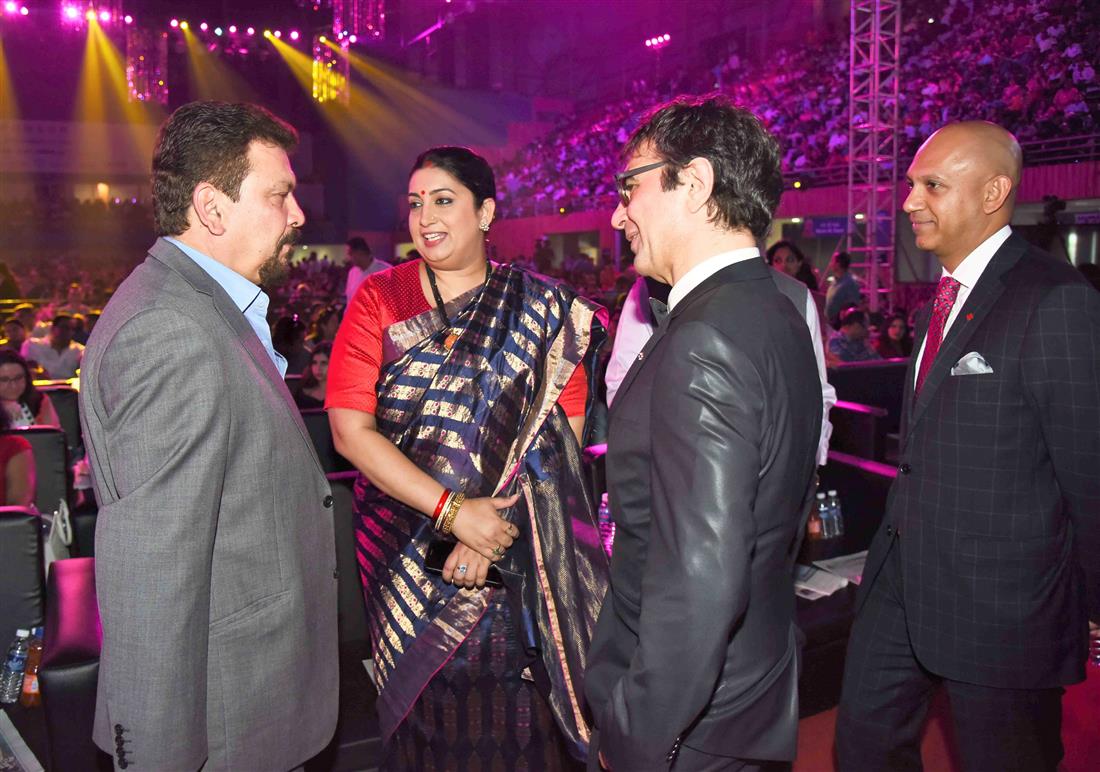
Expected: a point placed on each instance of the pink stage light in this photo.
(128, 19)
(104, 15)
(174, 23)
(294, 34)
(23, 11)
(668, 37)
(10, 7)
(279, 33)
(251, 30)
(232, 29)
(71, 13)
(353, 38)
(204, 26)
(648, 43)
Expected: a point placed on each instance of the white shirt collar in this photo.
(705, 270)
(973, 265)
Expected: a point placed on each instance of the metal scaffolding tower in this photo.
(873, 144)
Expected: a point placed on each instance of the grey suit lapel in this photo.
(202, 282)
(977, 306)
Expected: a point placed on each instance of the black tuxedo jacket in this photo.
(997, 498)
(710, 457)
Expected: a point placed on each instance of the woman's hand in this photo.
(466, 568)
(480, 528)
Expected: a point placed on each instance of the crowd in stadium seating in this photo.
(1028, 66)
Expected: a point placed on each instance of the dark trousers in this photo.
(886, 693)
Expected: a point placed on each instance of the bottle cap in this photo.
(22, 633)
(821, 496)
(832, 492)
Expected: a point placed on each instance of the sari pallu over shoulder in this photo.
(475, 406)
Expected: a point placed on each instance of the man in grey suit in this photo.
(711, 450)
(215, 564)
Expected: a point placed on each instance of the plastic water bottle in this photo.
(606, 526)
(31, 697)
(11, 682)
(838, 515)
(821, 515)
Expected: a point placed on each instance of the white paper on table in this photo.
(849, 567)
(810, 581)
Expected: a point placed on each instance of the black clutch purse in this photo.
(438, 552)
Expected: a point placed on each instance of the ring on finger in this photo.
(497, 551)
(463, 568)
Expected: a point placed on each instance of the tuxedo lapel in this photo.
(203, 283)
(977, 306)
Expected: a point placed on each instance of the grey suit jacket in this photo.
(215, 564)
(710, 456)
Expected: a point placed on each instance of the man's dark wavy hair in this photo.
(208, 142)
(744, 155)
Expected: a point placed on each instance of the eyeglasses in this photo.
(622, 177)
(4, 381)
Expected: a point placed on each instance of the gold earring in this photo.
(484, 227)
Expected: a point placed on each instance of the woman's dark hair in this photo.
(208, 142)
(308, 381)
(805, 273)
(885, 343)
(464, 165)
(31, 397)
(321, 320)
(744, 155)
(286, 333)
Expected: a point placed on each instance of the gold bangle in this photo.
(450, 512)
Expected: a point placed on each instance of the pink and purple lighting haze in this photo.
(10, 7)
(70, 12)
(104, 15)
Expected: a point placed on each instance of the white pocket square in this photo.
(971, 364)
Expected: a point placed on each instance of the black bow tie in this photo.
(660, 311)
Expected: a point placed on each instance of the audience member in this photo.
(24, 404)
(311, 389)
(363, 264)
(17, 478)
(849, 343)
(59, 355)
(844, 290)
(288, 337)
(894, 339)
(787, 257)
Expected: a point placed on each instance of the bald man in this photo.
(985, 573)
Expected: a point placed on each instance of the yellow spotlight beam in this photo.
(104, 98)
(11, 131)
(411, 101)
(211, 78)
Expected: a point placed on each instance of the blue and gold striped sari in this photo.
(471, 678)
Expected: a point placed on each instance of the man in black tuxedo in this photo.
(985, 570)
(711, 451)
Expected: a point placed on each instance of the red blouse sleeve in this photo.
(574, 396)
(357, 355)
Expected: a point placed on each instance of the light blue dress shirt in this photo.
(250, 299)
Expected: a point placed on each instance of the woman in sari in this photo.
(457, 387)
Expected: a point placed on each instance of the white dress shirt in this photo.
(967, 274)
(705, 270)
(634, 330)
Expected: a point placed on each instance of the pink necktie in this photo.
(946, 292)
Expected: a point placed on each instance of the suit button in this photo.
(118, 730)
(328, 501)
(905, 469)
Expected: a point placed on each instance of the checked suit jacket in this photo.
(996, 505)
